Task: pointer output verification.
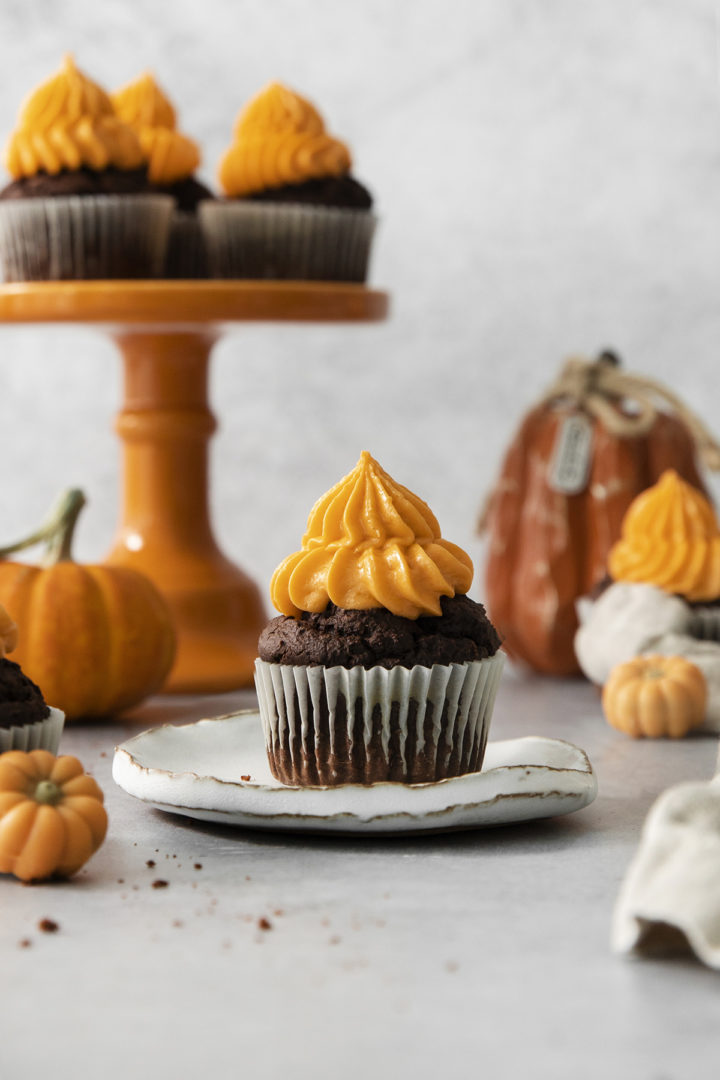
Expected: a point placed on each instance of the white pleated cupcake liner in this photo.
(42, 735)
(84, 237)
(186, 255)
(705, 623)
(287, 241)
(462, 697)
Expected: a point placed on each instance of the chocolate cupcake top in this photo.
(671, 539)
(69, 123)
(374, 583)
(21, 701)
(281, 146)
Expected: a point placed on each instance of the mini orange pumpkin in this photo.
(655, 696)
(96, 639)
(52, 817)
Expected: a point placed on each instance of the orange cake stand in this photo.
(166, 331)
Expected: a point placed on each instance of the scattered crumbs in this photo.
(264, 924)
(135, 888)
(194, 884)
(134, 843)
(167, 856)
(150, 863)
(24, 943)
(213, 902)
(248, 878)
(103, 753)
(121, 881)
(123, 896)
(178, 922)
(158, 883)
(157, 850)
(325, 922)
(197, 866)
(279, 912)
(174, 856)
(451, 966)
(335, 939)
(48, 926)
(246, 777)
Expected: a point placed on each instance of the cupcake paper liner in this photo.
(186, 256)
(329, 726)
(42, 735)
(287, 241)
(84, 237)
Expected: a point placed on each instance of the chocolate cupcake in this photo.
(171, 159)
(26, 721)
(293, 210)
(79, 205)
(380, 668)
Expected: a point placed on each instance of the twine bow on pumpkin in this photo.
(596, 386)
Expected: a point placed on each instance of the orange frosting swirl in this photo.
(68, 123)
(8, 633)
(169, 155)
(671, 539)
(280, 138)
(371, 543)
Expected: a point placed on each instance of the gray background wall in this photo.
(548, 177)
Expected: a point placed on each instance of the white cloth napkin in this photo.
(670, 899)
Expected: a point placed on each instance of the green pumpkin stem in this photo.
(57, 531)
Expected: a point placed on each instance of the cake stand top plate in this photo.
(178, 303)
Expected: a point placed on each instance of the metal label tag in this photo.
(572, 456)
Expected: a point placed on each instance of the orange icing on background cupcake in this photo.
(280, 139)
(169, 155)
(68, 123)
(670, 538)
(370, 542)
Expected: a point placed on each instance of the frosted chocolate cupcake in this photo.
(79, 205)
(26, 721)
(171, 159)
(293, 209)
(380, 667)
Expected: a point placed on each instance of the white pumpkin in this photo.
(622, 623)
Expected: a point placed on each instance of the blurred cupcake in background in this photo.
(171, 159)
(79, 204)
(293, 209)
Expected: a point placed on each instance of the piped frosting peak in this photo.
(280, 138)
(169, 155)
(69, 123)
(670, 538)
(371, 543)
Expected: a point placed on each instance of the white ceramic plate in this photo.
(217, 770)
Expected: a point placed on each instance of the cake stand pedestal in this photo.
(165, 331)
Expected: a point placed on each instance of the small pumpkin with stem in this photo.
(52, 817)
(655, 696)
(96, 639)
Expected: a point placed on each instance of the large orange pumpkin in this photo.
(548, 543)
(96, 639)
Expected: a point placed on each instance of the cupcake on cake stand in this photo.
(166, 331)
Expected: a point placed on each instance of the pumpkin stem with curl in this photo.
(56, 533)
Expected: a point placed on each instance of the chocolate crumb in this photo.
(121, 881)
(48, 926)
(135, 888)
(278, 911)
(174, 856)
(158, 883)
(247, 777)
(197, 866)
(178, 922)
(150, 863)
(264, 924)
(451, 966)
(24, 943)
(103, 754)
(335, 940)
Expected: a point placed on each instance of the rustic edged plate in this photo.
(217, 770)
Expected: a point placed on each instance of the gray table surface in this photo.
(480, 953)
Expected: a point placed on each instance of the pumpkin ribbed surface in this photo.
(96, 639)
(52, 816)
(655, 696)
